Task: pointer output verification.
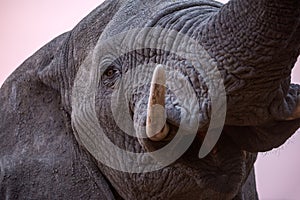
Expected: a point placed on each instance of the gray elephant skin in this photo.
(254, 45)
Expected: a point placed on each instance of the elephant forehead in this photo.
(141, 13)
(131, 15)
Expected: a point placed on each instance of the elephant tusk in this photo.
(156, 127)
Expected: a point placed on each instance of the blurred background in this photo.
(28, 25)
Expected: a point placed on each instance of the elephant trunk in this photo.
(255, 43)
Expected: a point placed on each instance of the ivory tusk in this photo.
(156, 127)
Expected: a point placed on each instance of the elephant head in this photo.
(153, 99)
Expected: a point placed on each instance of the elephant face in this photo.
(120, 71)
(122, 94)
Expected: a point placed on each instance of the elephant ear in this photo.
(39, 155)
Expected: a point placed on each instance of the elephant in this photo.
(153, 99)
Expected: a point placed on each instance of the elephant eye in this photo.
(110, 76)
(110, 72)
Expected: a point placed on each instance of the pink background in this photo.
(28, 25)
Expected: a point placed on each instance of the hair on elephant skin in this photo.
(168, 99)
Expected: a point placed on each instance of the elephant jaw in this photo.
(156, 126)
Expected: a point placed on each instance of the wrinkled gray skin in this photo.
(255, 44)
